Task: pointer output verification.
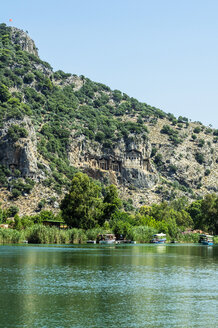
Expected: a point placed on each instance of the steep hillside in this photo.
(54, 123)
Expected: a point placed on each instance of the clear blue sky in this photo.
(162, 52)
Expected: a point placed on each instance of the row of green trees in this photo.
(88, 205)
(85, 207)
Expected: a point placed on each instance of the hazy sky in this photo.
(162, 52)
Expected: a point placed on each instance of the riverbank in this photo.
(39, 234)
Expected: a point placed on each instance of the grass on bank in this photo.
(39, 234)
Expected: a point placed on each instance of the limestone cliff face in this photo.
(129, 162)
(22, 154)
(22, 38)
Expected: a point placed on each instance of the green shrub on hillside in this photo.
(15, 132)
(201, 143)
(199, 158)
(4, 173)
(20, 186)
(4, 93)
(197, 129)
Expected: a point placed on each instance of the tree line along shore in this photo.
(90, 209)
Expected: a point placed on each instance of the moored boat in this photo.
(159, 238)
(107, 238)
(206, 239)
(121, 240)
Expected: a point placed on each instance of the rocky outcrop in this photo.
(22, 154)
(129, 161)
(22, 38)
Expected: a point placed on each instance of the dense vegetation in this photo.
(90, 208)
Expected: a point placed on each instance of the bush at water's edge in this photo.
(216, 240)
(188, 238)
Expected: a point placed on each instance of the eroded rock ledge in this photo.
(130, 163)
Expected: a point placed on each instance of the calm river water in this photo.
(109, 286)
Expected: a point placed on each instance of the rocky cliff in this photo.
(22, 154)
(128, 162)
(22, 39)
(53, 123)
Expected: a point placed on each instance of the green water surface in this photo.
(109, 286)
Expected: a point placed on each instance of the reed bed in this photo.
(39, 234)
(11, 236)
(141, 234)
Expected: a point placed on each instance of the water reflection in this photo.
(119, 286)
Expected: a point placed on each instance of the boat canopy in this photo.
(159, 235)
(205, 235)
